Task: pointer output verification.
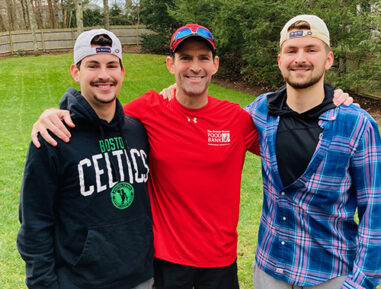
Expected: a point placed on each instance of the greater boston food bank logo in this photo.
(218, 137)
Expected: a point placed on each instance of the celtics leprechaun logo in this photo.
(122, 195)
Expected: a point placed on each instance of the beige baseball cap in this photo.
(318, 29)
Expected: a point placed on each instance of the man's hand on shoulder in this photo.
(169, 92)
(52, 120)
(341, 97)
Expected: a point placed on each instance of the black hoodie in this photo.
(298, 133)
(84, 207)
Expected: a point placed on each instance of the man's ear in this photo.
(74, 73)
(123, 72)
(216, 62)
(171, 64)
(329, 61)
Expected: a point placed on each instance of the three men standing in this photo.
(320, 162)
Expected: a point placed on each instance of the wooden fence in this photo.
(57, 39)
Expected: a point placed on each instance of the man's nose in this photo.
(300, 57)
(195, 66)
(102, 73)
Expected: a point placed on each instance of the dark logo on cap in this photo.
(296, 34)
(299, 33)
(103, 50)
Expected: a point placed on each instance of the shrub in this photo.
(155, 43)
(20, 52)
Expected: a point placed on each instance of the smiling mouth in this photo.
(301, 69)
(195, 77)
(103, 85)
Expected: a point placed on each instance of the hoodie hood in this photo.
(278, 106)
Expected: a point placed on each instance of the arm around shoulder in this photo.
(52, 120)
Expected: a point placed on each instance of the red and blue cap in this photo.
(191, 30)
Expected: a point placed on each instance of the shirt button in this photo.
(282, 242)
(282, 193)
(284, 218)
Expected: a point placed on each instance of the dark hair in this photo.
(199, 39)
(100, 40)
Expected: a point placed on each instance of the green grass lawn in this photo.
(28, 85)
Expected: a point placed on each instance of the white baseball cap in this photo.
(318, 29)
(83, 47)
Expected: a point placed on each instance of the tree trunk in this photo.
(2, 24)
(64, 15)
(106, 15)
(55, 10)
(68, 18)
(25, 14)
(53, 21)
(79, 16)
(11, 15)
(32, 22)
(37, 13)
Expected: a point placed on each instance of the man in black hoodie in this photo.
(84, 208)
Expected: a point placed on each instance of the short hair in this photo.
(100, 40)
(299, 25)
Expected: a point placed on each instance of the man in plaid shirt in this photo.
(320, 163)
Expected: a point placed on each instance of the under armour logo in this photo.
(194, 119)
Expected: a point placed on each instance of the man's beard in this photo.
(97, 82)
(104, 101)
(302, 85)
